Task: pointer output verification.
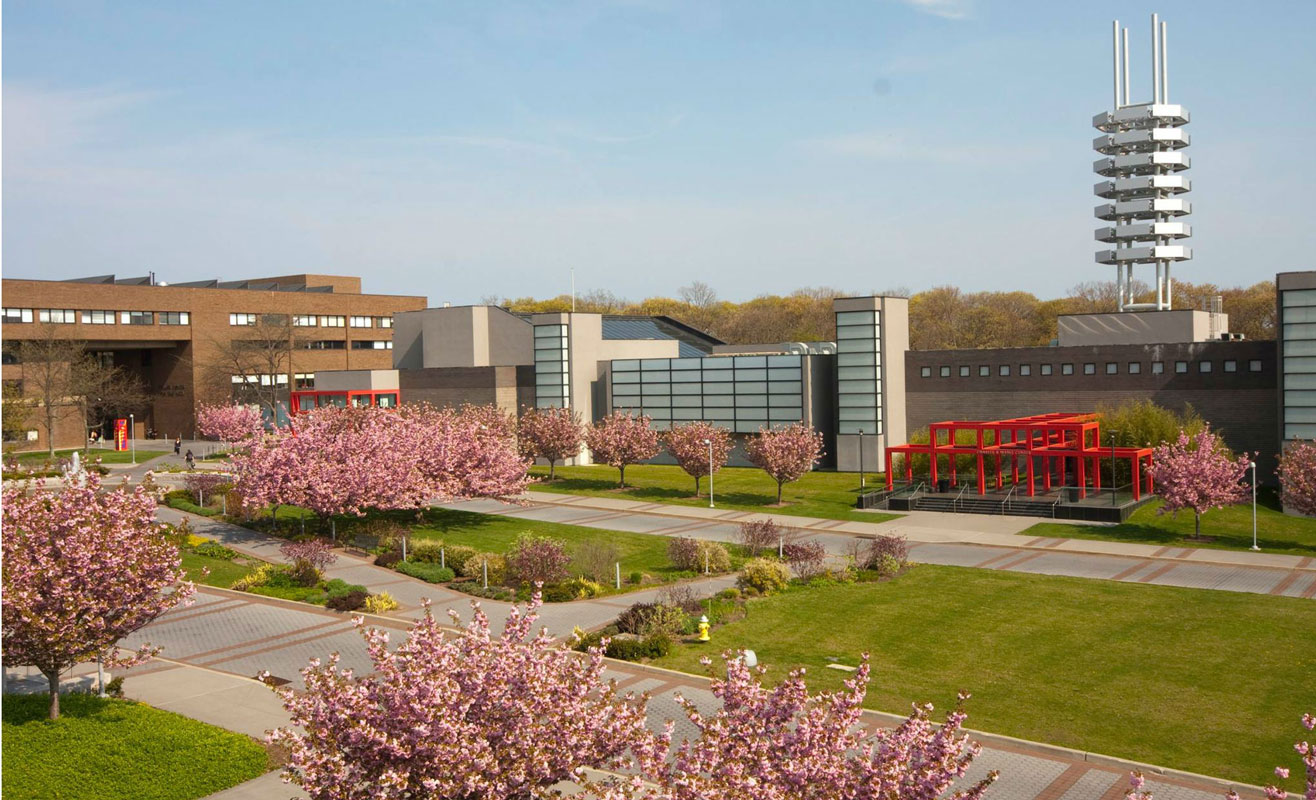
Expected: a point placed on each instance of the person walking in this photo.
(191, 461)
(178, 445)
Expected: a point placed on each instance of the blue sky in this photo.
(467, 149)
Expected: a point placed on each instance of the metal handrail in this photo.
(955, 504)
(1006, 502)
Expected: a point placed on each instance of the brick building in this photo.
(179, 338)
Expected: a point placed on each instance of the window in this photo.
(1112, 368)
(1025, 370)
(1046, 369)
(382, 344)
(303, 321)
(1231, 365)
(175, 318)
(1254, 365)
(327, 344)
(1005, 370)
(63, 316)
(1158, 367)
(98, 318)
(1204, 366)
(361, 322)
(984, 371)
(383, 322)
(945, 372)
(137, 317)
(1089, 369)
(1135, 367)
(1181, 367)
(925, 372)
(964, 372)
(1066, 369)
(333, 322)
(242, 319)
(304, 380)
(18, 315)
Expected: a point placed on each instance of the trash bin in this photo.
(1072, 495)
(943, 485)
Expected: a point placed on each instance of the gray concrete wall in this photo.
(893, 346)
(1140, 327)
(465, 336)
(342, 380)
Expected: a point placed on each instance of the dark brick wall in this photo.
(510, 388)
(1241, 404)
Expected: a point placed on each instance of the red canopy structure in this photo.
(1062, 446)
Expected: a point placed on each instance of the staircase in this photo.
(982, 505)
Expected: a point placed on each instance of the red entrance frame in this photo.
(1055, 439)
(309, 399)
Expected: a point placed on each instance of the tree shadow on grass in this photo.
(1151, 534)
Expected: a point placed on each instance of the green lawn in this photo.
(222, 572)
(826, 495)
(113, 748)
(106, 456)
(1225, 528)
(1209, 681)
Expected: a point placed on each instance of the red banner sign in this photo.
(121, 434)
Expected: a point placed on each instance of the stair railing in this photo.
(955, 504)
(1006, 502)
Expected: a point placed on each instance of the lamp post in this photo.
(1112, 468)
(132, 434)
(861, 459)
(1253, 465)
(709, 442)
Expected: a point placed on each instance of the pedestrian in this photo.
(178, 445)
(191, 461)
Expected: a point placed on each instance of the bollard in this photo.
(404, 548)
(618, 574)
(223, 504)
(443, 561)
(780, 546)
(100, 677)
(705, 561)
(485, 564)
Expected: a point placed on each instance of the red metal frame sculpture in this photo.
(1051, 441)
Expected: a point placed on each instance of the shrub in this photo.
(430, 573)
(665, 621)
(202, 486)
(338, 586)
(114, 688)
(316, 553)
(636, 577)
(632, 619)
(385, 534)
(885, 554)
(694, 555)
(682, 596)
(596, 559)
(713, 557)
(492, 593)
(432, 551)
(388, 558)
(257, 577)
(537, 559)
(655, 646)
(301, 573)
(458, 555)
(214, 550)
(731, 593)
(806, 558)
(763, 575)
(347, 601)
(759, 535)
(473, 567)
(380, 603)
(683, 552)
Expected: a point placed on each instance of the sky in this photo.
(463, 150)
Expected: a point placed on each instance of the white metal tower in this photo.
(1143, 146)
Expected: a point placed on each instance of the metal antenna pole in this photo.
(1156, 59)
(1115, 62)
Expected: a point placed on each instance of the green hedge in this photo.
(431, 573)
(182, 500)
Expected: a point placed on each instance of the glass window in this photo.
(925, 372)
(1025, 370)
(750, 361)
(98, 318)
(138, 318)
(1089, 369)
(1203, 366)
(304, 380)
(717, 363)
(1254, 365)
(1135, 367)
(303, 320)
(372, 344)
(1299, 297)
(1004, 371)
(62, 316)
(625, 365)
(984, 371)
(964, 371)
(175, 318)
(855, 387)
(855, 318)
(761, 387)
(866, 345)
(847, 373)
(785, 387)
(1181, 367)
(856, 401)
(332, 321)
(785, 414)
(1158, 367)
(945, 372)
(655, 377)
(327, 344)
(855, 359)
(1046, 369)
(1112, 368)
(1066, 369)
(784, 361)
(18, 315)
(625, 377)
(783, 374)
(383, 322)
(762, 374)
(242, 319)
(719, 401)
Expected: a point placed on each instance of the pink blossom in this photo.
(688, 445)
(787, 453)
(1297, 477)
(553, 434)
(621, 439)
(1197, 473)
(229, 423)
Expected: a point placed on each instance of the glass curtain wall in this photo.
(739, 393)
(1298, 362)
(859, 372)
(552, 367)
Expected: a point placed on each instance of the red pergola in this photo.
(1064, 445)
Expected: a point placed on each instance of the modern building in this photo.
(180, 338)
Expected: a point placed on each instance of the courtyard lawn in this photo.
(1208, 681)
(223, 572)
(826, 495)
(115, 748)
(107, 456)
(1224, 528)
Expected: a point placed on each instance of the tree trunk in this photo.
(779, 485)
(696, 486)
(622, 471)
(52, 678)
(1197, 531)
(552, 466)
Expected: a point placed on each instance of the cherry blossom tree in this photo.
(1297, 477)
(688, 444)
(1197, 473)
(621, 439)
(553, 434)
(229, 423)
(462, 714)
(82, 569)
(467, 452)
(785, 453)
(785, 744)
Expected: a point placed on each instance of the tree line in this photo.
(941, 318)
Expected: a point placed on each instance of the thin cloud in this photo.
(946, 9)
(899, 147)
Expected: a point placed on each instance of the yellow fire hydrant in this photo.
(703, 629)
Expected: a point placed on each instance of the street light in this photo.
(1253, 465)
(1112, 468)
(132, 433)
(861, 459)
(709, 442)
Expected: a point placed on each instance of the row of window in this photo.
(301, 380)
(359, 344)
(327, 321)
(552, 366)
(1110, 368)
(68, 316)
(859, 372)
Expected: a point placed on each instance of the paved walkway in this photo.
(971, 540)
